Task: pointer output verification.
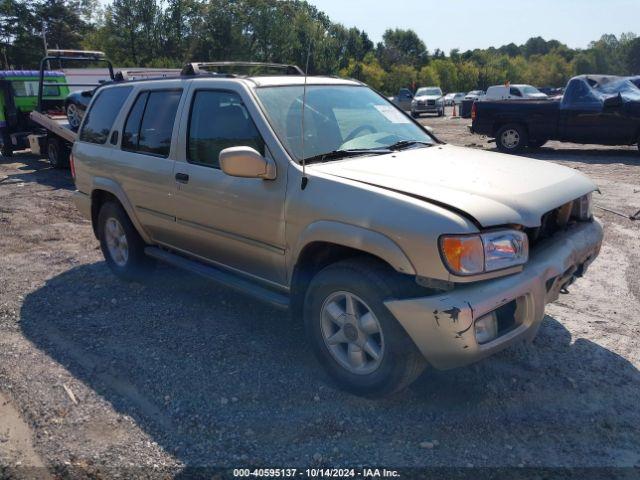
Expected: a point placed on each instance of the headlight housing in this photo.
(486, 252)
(583, 208)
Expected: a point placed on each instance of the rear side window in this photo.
(102, 114)
(149, 126)
(219, 120)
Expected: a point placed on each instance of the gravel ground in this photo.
(100, 377)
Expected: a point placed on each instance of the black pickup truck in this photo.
(595, 109)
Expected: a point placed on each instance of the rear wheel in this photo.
(121, 245)
(512, 138)
(57, 153)
(7, 147)
(356, 339)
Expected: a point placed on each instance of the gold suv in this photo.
(320, 196)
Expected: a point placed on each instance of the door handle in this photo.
(182, 177)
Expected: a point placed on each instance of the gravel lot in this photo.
(99, 377)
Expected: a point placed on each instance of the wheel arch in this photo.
(105, 190)
(325, 242)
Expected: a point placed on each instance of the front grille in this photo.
(420, 102)
(551, 223)
(431, 102)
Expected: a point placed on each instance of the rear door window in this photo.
(149, 126)
(102, 114)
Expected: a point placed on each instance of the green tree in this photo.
(428, 76)
(468, 75)
(400, 76)
(402, 47)
(633, 57)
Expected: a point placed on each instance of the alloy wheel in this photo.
(352, 333)
(116, 242)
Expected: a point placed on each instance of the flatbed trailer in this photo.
(54, 135)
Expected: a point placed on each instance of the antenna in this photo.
(305, 179)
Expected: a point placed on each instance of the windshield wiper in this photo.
(336, 154)
(402, 144)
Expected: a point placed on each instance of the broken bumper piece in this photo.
(443, 326)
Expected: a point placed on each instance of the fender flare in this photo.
(356, 237)
(114, 188)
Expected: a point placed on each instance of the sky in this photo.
(469, 24)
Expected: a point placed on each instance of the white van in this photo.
(513, 92)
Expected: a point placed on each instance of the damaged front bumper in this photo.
(443, 326)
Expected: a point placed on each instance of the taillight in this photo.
(474, 111)
(72, 166)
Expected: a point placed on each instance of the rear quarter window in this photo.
(103, 112)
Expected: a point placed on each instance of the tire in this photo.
(535, 144)
(512, 138)
(415, 114)
(135, 265)
(7, 147)
(57, 153)
(368, 284)
(74, 116)
(440, 113)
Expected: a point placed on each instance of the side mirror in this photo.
(246, 162)
(613, 102)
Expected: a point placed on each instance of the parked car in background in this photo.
(513, 92)
(595, 109)
(75, 106)
(19, 97)
(552, 92)
(448, 99)
(403, 99)
(458, 98)
(395, 250)
(428, 100)
(474, 95)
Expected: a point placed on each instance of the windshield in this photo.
(337, 117)
(529, 90)
(429, 91)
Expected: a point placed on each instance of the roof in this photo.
(29, 73)
(284, 80)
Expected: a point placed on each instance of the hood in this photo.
(428, 97)
(493, 188)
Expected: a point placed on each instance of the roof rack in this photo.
(197, 68)
(146, 74)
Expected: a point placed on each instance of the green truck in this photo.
(20, 97)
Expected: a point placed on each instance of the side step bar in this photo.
(222, 277)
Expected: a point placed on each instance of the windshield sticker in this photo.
(392, 114)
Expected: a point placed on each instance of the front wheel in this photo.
(121, 245)
(354, 336)
(415, 114)
(512, 138)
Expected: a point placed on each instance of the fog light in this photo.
(486, 328)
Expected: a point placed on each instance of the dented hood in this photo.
(493, 188)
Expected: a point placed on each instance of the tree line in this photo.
(169, 33)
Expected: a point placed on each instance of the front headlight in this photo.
(583, 208)
(486, 252)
